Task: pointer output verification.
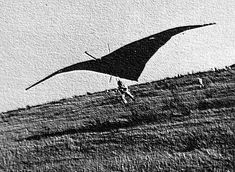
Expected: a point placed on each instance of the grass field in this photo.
(174, 125)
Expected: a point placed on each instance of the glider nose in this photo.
(178, 30)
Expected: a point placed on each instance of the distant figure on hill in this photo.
(200, 82)
(227, 68)
(123, 89)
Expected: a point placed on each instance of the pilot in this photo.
(124, 91)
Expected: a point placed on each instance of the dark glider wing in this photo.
(93, 65)
(128, 61)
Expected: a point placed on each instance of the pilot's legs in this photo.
(130, 95)
(123, 98)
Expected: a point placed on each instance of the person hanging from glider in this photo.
(128, 61)
(123, 89)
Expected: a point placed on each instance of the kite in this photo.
(129, 61)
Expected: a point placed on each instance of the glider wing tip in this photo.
(27, 88)
(209, 24)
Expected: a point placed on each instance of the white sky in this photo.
(40, 37)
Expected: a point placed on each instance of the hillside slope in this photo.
(174, 125)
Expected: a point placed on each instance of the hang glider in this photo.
(128, 61)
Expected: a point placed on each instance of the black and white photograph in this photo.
(117, 86)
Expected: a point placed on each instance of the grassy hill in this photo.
(174, 125)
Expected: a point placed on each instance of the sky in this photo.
(40, 37)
